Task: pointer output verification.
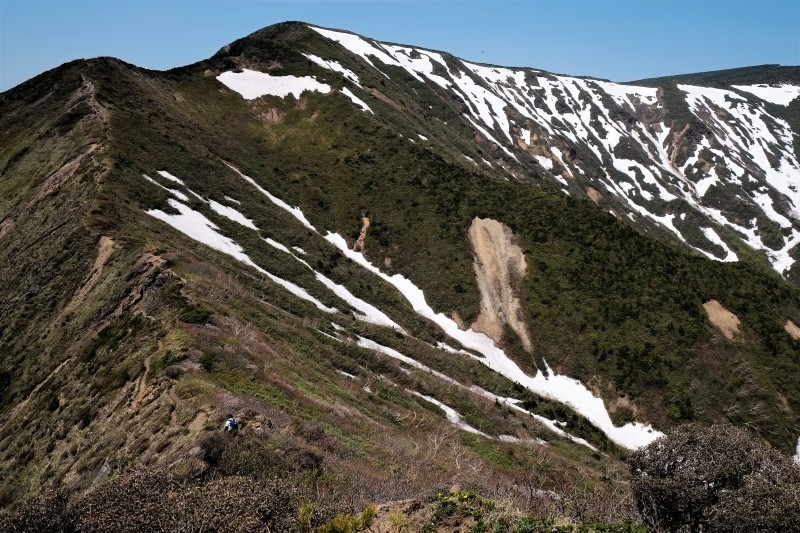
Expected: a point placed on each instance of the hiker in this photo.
(231, 425)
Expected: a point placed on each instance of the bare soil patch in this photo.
(358, 246)
(499, 265)
(792, 329)
(725, 321)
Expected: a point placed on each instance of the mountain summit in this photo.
(411, 265)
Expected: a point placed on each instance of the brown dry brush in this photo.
(715, 479)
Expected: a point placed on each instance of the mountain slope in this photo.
(176, 250)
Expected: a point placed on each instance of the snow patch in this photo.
(780, 95)
(294, 211)
(335, 67)
(451, 415)
(231, 214)
(198, 227)
(356, 100)
(253, 84)
(170, 177)
(177, 194)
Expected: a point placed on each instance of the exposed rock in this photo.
(499, 266)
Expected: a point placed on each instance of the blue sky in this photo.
(621, 40)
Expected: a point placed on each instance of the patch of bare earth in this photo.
(722, 319)
(593, 194)
(104, 250)
(358, 246)
(792, 329)
(499, 265)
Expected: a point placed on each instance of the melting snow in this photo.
(334, 66)
(451, 415)
(170, 177)
(712, 236)
(356, 100)
(177, 194)
(560, 388)
(780, 95)
(294, 211)
(198, 227)
(370, 313)
(253, 84)
(546, 162)
(232, 214)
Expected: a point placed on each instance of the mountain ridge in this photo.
(172, 326)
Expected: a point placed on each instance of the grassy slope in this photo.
(629, 305)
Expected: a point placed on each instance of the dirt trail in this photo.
(21, 405)
(499, 265)
(141, 389)
(104, 250)
(198, 422)
(722, 319)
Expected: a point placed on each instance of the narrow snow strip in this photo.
(560, 388)
(451, 415)
(546, 422)
(170, 177)
(198, 227)
(232, 214)
(797, 455)
(369, 313)
(356, 100)
(177, 194)
(510, 402)
(780, 95)
(253, 84)
(712, 236)
(233, 200)
(300, 292)
(335, 67)
(294, 211)
(391, 352)
(345, 374)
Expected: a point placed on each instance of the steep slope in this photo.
(180, 245)
(662, 153)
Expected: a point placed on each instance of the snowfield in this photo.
(780, 95)
(252, 84)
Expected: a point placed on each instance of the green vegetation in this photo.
(133, 359)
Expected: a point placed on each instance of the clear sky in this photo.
(621, 40)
